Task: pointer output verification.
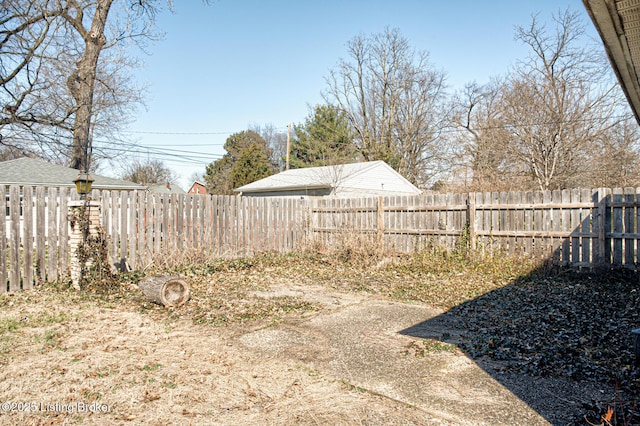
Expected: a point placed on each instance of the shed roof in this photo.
(30, 171)
(325, 177)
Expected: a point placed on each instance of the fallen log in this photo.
(166, 291)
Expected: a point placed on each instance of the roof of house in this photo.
(166, 188)
(617, 22)
(325, 177)
(30, 171)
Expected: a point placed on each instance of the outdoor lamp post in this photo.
(83, 184)
(84, 216)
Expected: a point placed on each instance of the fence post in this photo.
(602, 210)
(471, 219)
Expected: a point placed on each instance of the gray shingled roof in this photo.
(29, 171)
(161, 188)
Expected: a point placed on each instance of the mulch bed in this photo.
(575, 326)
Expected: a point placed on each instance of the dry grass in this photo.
(160, 366)
(60, 348)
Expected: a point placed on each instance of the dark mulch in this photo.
(575, 326)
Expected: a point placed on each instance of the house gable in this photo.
(379, 178)
(198, 188)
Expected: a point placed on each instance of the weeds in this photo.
(8, 325)
(620, 413)
(50, 339)
(93, 255)
(423, 347)
(247, 309)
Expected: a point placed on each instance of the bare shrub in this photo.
(348, 245)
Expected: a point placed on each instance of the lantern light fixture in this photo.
(83, 183)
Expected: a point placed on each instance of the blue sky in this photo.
(236, 63)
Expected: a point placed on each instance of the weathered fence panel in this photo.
(579, 227)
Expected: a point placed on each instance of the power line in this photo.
(179, 133)
(187, 133)
(177, 156)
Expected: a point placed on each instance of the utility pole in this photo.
(288, 145)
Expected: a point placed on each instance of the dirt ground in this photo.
(68, 360)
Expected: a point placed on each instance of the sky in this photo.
(234, 64)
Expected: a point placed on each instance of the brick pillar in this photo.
(77, 233)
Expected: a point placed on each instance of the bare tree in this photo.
(276, 140)
(394, 100)
(483, 141)
(615, 161)
(63, 70)
(559, 102)
(150, 172)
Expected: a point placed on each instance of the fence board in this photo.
(113, 222)
(27, 240)
(63, 223)
(607, 225)
(52, 234)
(14, 249)
(124, 214)
(587, 227)
(166, 227)
(575, 224)
(132, 230)
(218, 219)
(4, 276)
(503, 226)
(565, 225)
(208, 222)
(244, 238)
(41, 237)
(158, 221)
(629, 228)
(188, 221)
(618, 227)
(141, 232)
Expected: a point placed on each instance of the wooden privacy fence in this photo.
(142, 224)
(580, 227)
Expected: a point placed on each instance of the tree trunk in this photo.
(81, 83)
(165, 291)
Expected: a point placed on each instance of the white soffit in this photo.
(618, 22)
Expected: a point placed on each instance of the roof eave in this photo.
(605, 17)
(94, 186)
(283, 188)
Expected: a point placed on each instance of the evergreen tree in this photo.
(252, 165)
(324, 139)
(246, 160)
